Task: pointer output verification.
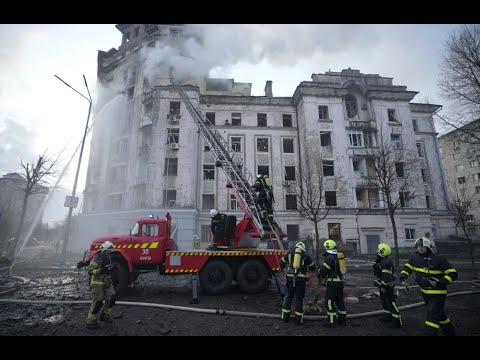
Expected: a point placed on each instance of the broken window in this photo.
(405, 200)
(290, 173)
(262, 120)
(391, 115)
(236, 144)
(211, 117)
(291, 202)
(262, 144)
(236, 119)
(325, 138)
(328, 168)
(351, 106)
(415, 125)
(323, 112)
(233, 203)
(173, 136)
(174, 108)
(169, 198)
(399, 169)
(208, 172)
(396, 141)
(419, 149)
(264, 170)
(287, 120)
(330, 198)
(288, 146)
(171, 166)
(355, 138)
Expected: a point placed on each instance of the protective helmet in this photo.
(213, 213)
(107, 246)
(329, 244)
(424, 242)
(384, 250)
(300, 245)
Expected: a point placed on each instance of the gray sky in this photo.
(38, 112)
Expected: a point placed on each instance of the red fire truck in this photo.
(149, 247)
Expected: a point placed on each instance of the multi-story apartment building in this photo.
(148, 157)
(460, 158)
(12, 192)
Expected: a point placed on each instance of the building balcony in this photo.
(146, 120)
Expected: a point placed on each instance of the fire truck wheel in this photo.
(252, 276)
(216, 277)
(121, 278)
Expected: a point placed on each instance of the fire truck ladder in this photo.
(238, 175)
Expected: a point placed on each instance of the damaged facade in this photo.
(147, 156)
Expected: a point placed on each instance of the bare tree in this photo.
(314, 178)
(35, 175)
(461, 202)
(460, 79)
(394, 171)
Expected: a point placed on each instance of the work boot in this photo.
(342, 320)
(92, 324)
(396, 323)
(285, 317)
(105, 318)
(448, 329)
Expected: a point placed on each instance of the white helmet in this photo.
(107, 246)
(300, 245)
(213, 213)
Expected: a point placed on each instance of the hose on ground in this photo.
(220, 311)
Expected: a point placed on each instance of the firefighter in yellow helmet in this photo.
(330, 272)
(385, 280)
(296, 262)
(101, 286)
(432, 273)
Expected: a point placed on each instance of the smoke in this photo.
(205, 47)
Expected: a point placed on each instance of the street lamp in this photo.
(71, 202)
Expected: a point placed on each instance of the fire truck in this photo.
(149, 246)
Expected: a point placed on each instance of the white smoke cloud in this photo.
(205, 47)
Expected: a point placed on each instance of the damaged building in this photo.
(148, 157)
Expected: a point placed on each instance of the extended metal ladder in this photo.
(231, 161)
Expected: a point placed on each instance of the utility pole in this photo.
(72, 201)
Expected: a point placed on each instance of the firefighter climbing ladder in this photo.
(237, 174)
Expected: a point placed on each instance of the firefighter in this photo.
(217, 226)
(433, 274)
(297, 262)
(329, 274)
(385, 280)
(263, 187)
(101, 286)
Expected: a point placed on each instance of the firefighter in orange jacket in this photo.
(297, 262)
(433, 274)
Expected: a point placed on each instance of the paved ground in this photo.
(243, 314)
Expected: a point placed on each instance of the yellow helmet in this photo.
(300, 245)
(329, 244)
(384, 250)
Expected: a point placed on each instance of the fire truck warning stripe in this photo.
(181, 271)
(224, 253)
(154, 245)
(144, 245)
(136, 246)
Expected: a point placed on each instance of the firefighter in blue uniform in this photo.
(329, 272)
(432, 273)
(385, 280)
(296, 262)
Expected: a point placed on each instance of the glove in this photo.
(80, 265)
(403, 282)
(383, 290)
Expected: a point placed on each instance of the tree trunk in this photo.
(18, 234)
(318, 246)
(395, 238)
(470, 246)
